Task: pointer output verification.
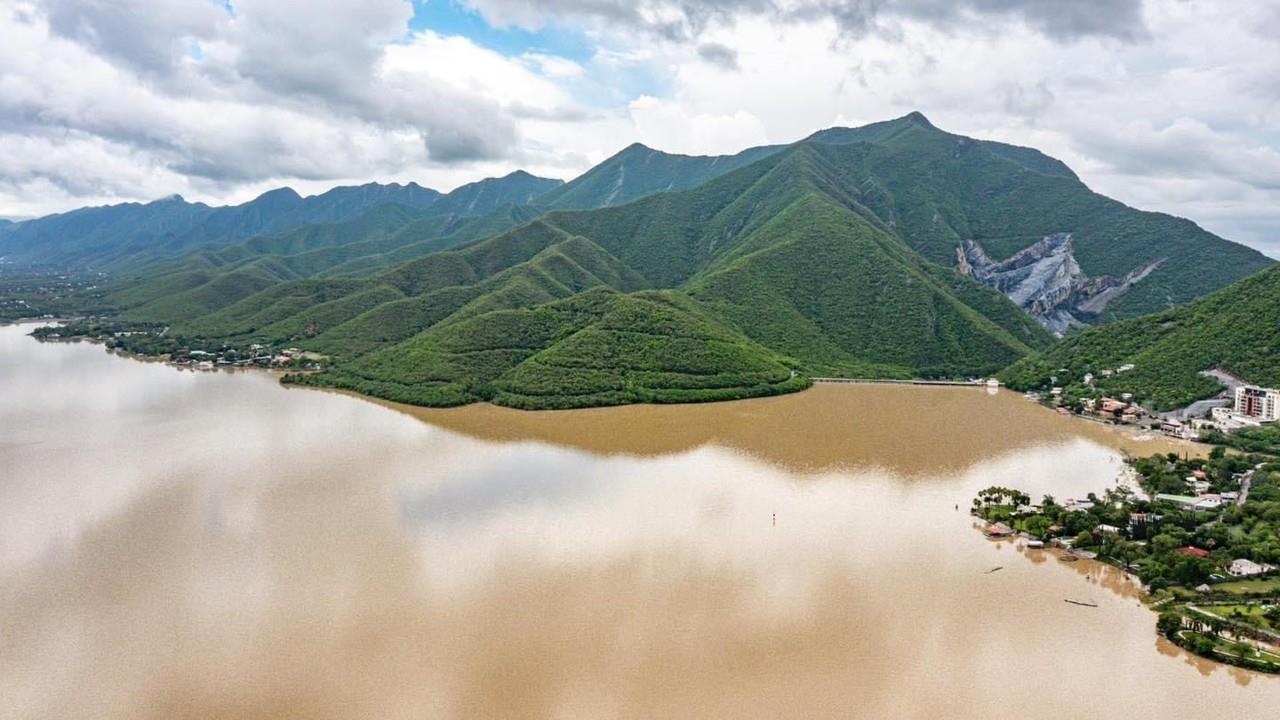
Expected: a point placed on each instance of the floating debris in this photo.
(994, 569)
(1083, 604)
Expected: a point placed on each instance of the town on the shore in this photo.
(1241, 406)
(1201, 534)
(182, 352)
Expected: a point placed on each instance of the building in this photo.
(1186, 502)
(1176, 428)
(1208, 502)
(1244, 568)
(1193, 552)
(1260, 403)
(1111, 405)
(1226, 420)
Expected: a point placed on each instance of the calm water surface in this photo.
(212, 545)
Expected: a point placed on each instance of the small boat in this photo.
(1035, 544)
(997, 568)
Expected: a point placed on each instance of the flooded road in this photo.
(212, 545)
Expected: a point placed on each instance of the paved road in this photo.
(1245, 482)
(1201, 408)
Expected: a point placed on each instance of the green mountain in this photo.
(133, 235)
(770, 268)
(485, 196)
(598, 347)
(1086, 258)
(637, 171)
(891, 250)
(1236, 329)
(383, 236)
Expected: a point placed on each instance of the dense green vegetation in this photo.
(48, 293)
(1235, 330)
(599, 347)
(764, 251)
(1265, 439)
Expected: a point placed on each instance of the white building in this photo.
(1260, 403)
(1226, 420)
(1208, 502)
(1244, 568)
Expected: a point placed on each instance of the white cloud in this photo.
(274, 93)
(670, 126)
(1169, 105)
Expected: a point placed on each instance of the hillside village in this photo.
(1240, 407)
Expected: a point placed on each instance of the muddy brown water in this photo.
(177, 544)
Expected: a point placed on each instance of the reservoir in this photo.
(178, 544)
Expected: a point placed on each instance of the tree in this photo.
(1169, 623)
(1272, 614)
(1191, 570)
(1163, 543)
(1038, 525)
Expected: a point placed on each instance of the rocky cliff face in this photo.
(1046, 281)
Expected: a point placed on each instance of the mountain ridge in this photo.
(891, 250)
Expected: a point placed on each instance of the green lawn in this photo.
(1252, 614)
(1249, 587)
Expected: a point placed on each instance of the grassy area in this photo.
(1234, 649)
(1250, 587)
(1251, 614)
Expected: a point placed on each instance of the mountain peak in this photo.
(915, 117)
(282, 193)
(636, 147)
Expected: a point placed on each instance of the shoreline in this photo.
(1148, 600)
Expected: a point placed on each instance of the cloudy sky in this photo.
(1169, 105)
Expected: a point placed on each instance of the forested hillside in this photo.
(773, 267)
(1236, 329)
(133, 235)
(850, 253)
